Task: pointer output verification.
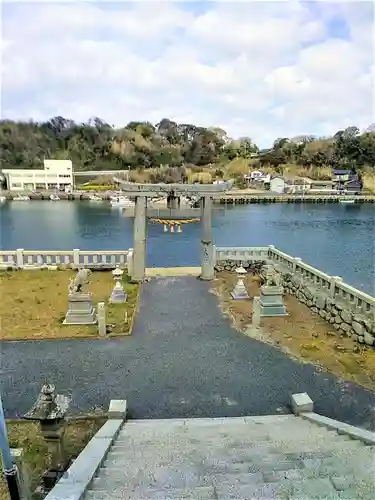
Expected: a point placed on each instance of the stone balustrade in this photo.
(356, 300)
(23, 259)
(238, 254)
(333, 287)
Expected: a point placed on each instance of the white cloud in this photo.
(264, 69)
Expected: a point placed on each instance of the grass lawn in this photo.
(303, 334)
(26, 435)
(34, 304)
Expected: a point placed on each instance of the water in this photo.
(337, 239)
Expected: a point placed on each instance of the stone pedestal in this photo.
(80, 310)
(240, 292)
(271, 301)
(118, 295)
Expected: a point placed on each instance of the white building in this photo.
(290, 185)
(258, 177)
(56, 174)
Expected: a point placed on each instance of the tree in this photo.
(96, 145)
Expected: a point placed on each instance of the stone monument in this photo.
(240, 292)
(50, 410)
(271, 294)
(80, 309)
(118, 295)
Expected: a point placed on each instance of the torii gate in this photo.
(143, 191)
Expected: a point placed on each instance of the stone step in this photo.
(296, 425)
(162, 427)
(181, 443)
(171, 425)
(262, 419)
(122, 493)
(119, 456)
(309, 489)
(241, 434)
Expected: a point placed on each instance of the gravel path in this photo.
(183, 360)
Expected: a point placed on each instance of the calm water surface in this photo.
(335, 238)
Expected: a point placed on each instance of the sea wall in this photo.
(338, 313)
(349, 310)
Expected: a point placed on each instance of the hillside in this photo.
(180, 149)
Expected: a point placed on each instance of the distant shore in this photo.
(241, 197)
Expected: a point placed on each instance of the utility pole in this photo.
(9, 468)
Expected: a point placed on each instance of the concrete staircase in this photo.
(271, 457)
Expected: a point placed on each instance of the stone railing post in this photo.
(334, 281)
(102, 323)
(117, 409)
(129, 262)
(295, 262)
(19, 257)
(256, 312)
(270, 249)
(76, 257)
(18, 457)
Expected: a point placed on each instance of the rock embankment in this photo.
(231, 265)
(356, 326)
(360, 328)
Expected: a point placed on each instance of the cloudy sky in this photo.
(262, 69)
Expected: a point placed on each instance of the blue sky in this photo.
(258, 69)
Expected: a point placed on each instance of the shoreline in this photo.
(232, 198)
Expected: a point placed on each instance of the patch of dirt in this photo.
(303, 334)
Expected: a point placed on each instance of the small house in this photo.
(257, 177)
(290, 185)
(354, 186)
(340, 178)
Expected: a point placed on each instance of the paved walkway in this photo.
(183, 360)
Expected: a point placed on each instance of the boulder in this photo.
(320, 301)
(369, 339)
(358, 328)
(315, 309)
(308, 293)
(331, 319)
(322, 313)
(359, 319)
(361, 340)
(369, 325)
(346, 316)
(338, 319)
(345, 327)
(309, 303)
(334, 311)
(339, 306)
(296, 281)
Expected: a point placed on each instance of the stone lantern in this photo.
(240, 292)
(118, 295)
(50, 410)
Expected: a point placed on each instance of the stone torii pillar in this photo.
(207, 247)
(140, 234)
